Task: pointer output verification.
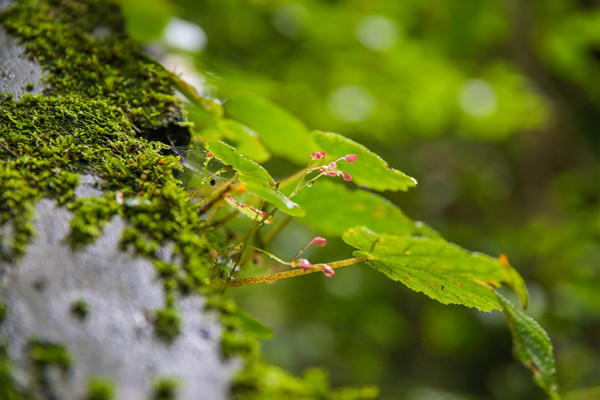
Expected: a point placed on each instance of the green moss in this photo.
(84, 48)
(45, 354)
(235, 340)
(3, 309)
(261, 381)
(8, 388)
(100, 388)
(165, 389)
(80, 309)
(104, 95)
(167, 323)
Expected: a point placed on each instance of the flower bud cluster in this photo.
(306, 265)
(331, 169)
(317, 155)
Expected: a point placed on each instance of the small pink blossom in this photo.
(350, 158)
(347, 176)
(328, 271)
(319, 241)
(304, 263)
(332, 165)
(317, 155)
(332, 173)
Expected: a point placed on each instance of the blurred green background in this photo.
(492, 105)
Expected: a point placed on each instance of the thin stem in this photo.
(289, 274)
(298, 175)
(215, 211)
(206, 161)
(242, 244)
(274, 257)
(302, 250)
(5, 147)
(231, 248)
(217, 192)
(224, 219)
(305, 173)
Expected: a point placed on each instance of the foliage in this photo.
(441, 75)
(493, 107)
(440, 97)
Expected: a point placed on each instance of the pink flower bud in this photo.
(328, 271)
(350, 158)
(332, 165)
(209, 154)
(319, 241)
(332, 173)
(304, 263)
(317, 155)
(347, 176)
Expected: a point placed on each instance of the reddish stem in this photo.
(291, 273)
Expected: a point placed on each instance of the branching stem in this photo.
(289, 274)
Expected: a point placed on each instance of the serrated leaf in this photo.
(273, 196)
(441, 270)
(246, 141)
(282, 133)
(532, 347)
(256, 178)
(332, 209)
(369, 170)
(246, 167)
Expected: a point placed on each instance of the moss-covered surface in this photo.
(80, 309)
(7, 388)
(45, 355)
(167, 323)
(165, 389)
(105, 99)
(99, 388)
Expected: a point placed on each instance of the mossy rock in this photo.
(92, 212)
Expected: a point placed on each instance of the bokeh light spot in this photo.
(351, 103)
(478, 98)
(377, 33)
(184, 35)
(289, 19)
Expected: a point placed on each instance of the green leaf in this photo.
(245, 139)
(281, 132)
(532, 347)
(256, 178)
(369, 170)
(332, 209)
(441, 270)
(253, 325)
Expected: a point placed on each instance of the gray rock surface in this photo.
(116, 340)
(16, 70)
